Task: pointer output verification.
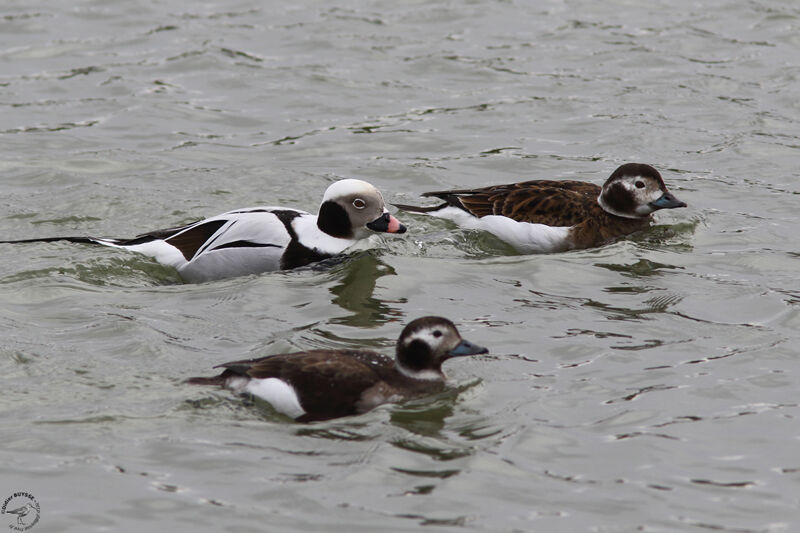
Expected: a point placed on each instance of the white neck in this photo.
(424, 375)
(310, 236)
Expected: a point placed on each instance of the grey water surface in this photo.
(648, 385)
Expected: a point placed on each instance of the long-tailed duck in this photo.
(544, 216)
(325, 384)
(262, 239)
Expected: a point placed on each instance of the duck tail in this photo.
(420, 209)
(213, 380)
(81, 240)
(221, 379)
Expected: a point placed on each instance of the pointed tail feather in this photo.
(446, 195)
(214, 380)
(81, 240)
(419, 209)
(222, 378)
(450, 200)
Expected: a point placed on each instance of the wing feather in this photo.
(550, 202)
(328, 383)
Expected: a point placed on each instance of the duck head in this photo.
(636, 190)
(426, 343)
(353, 209)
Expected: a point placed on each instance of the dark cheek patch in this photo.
(334, 221)
(417, 355)
(620, 199)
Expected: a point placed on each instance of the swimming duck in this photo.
(324, 384)
(544, 216)
(261, 239)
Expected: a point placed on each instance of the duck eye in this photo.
(639, 184)
(437, 333)
(358, 203)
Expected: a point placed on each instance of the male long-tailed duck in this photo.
(325, 384)
(262, 239)
(544, 216)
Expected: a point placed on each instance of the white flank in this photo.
(280, 395)
(525, 237)
(254, 224)
(230, 262)
(164, 253)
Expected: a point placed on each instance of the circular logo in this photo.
(23, 510)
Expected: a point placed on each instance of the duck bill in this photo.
(466, 348)
(387, 224)
(667, 201)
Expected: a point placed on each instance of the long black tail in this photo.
(82, 240)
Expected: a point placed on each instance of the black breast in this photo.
(296, 255)
(333, 220)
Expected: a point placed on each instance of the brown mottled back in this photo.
(555, 203)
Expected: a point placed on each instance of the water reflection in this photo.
(459, 521)
(430, 474)
(674, 237)
(426, 416)
(425, 431)
(434, 450)
(653, 306)
(642, 267)
(342, 429)
(424, 419)
(355, 289)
